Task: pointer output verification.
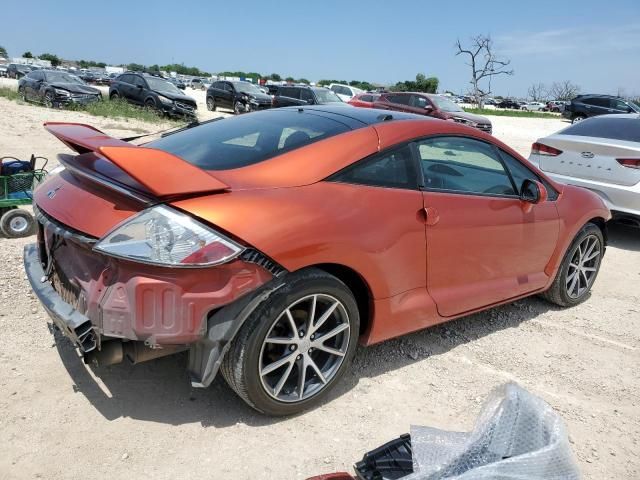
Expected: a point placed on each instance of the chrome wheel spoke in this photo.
(283, 380)
(281, 340)
(324, 317)
(302, 378)
(332, 351)
(573, 285)
(572, 276)
(340, 328)
(583, 267)
(315, 368)
(277, 364)
(292, 322)
(595, 254)
(589, 269)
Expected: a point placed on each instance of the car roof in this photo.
(368, 116)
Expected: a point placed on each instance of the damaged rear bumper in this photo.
(113, 309)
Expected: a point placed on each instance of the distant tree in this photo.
(275, 77)
(538, 92)
(421, 84)
(303, 80)
(290, 79)
(27, 54)
(55, 61)
(3, 52)
(484, 65)
(564, 90)
(135, 67)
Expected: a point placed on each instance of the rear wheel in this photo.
(578, 118)
(579, 268)
(294, 348)
(17, 223)
(114, 96)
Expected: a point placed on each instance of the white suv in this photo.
(345, 92)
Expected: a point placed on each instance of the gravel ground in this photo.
(59, 419)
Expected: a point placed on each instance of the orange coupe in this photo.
(268, 245)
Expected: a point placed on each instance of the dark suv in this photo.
(296, 95)
(17, 70)
(241, 97)
(585, 106)
(153, 92)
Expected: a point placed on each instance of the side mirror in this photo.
(428, 108)
(139, 87)
(533, 192)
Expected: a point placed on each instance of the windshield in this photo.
(62, 77)
(445, 104)
(327, 96)
(246, 87)
(634, 105)
(163, 86)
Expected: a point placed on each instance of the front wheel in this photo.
(579, 268)
(211, 104)
(578, 118)
(22, 93)
(294, 348)
(238, 108)
(49, 100)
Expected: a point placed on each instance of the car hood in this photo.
(75, 88)
(469, 116)
(178, 97)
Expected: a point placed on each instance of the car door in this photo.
(139, 90)
(125, 87)
(227, 95)
(288, 96)
(306, 95)
(619, 106)
(400, 102)
(484, 244)
(596, 106)
(30, 81)
(420, 105)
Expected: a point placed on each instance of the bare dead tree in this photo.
(564, 90)
(538, 92)
(484, 65)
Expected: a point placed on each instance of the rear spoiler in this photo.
(161, 173)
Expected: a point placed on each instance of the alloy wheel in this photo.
(304, 348)
(583, 266)
(48, 100)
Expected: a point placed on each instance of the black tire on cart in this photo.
(17, 223)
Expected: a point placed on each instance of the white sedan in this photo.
(601, 154)
(534, 106)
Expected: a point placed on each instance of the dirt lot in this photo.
(58, 419)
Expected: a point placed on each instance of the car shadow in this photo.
(623, 236)
(159, 390)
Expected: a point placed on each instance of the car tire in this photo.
(578, 118)
(211, 104)
(49, 100)
(578, 272)
(114, 96)
(249, 366)
(22, 93)
(150, 103)
(17, 223)
(238, 107)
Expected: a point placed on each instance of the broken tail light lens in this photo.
(542, 149)
(629, 162)
(163, 236)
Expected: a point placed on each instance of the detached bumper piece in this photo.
(73, 324)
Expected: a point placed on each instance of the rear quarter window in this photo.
(248, 139)
(625, 129)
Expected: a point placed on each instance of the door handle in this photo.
(430, 215)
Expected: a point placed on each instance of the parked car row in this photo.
(54, 88)
(590, 105)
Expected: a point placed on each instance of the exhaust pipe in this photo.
(115, 351)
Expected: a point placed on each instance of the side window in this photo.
(619, 105)
(366, 98)
(419, 101)
(400, 99)
(461, 164)
(520, 173)
(290, 92)
(393, 169)
(306, 95)
(136, 80)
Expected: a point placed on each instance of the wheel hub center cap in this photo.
(305, 344)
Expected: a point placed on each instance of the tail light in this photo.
(542, 149)
(629, 162)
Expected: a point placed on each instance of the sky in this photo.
(594, 44)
